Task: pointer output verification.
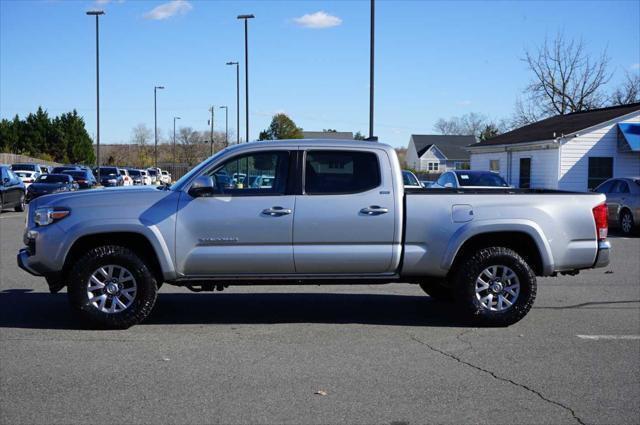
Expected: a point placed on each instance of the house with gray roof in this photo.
(576, 151)
(437, 153)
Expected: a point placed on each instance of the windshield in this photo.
(23, 173)
(152, 172)
(108, 172)
(134, 172)
(53, 178)
(409, 179)
(25, 167)
(58, 170)
(481, 179)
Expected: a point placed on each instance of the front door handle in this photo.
(276, 211)
(374, 210)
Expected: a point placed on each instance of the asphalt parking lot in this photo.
(376, 354)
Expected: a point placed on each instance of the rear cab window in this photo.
(340, 172)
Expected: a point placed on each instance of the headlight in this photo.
(47, 215)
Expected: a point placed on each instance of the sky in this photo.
(308, 59)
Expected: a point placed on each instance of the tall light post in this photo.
(371, 137)
(155, 121)
(174, 143)
(226, 124)
(246, 72)
(237, 99)
(97, 13)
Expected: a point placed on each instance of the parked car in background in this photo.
(47, 184)
(261, 182)
(27, 177)
(136, 176)
(154, 175)
(468, 179)
(29, 166)
(166, 177)
(410, 180)
(84, 178)
(146, 180)
(109, 176)
(12, 190)
(427, 183)
(623, 203)
(126, 178)
(59, 169)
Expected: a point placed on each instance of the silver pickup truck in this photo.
(309, 212)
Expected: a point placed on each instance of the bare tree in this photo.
(191, 144)
(628, 91)
(471, 124)
(566, 79)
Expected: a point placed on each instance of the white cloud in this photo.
(167, 10)
(318, 20)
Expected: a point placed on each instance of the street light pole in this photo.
(226, 125)
(97, 13)
(174, 143)
(246, 72)
(371, 137)
(155, 122)
(237, 99)
(212, 109)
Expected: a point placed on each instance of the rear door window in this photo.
(340, 172)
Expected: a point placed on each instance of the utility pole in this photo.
(237, 100)
(371, 137)
(97, 13)
(212, 109)
(246, 72)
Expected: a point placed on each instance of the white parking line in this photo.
(599, 337)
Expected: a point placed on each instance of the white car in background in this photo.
(146, 179)
(128, 181)
(27, 177)
(155, 174)
(470, 179)
(165, 177)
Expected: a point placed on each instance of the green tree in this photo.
(79, 145)
(282, 127)
(57, 141)
(489, 131)
(36, 129)
(358, 136)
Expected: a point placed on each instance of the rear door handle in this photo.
(374, 210)
(276, 211)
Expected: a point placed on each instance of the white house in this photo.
(437, 153)
(574, 152)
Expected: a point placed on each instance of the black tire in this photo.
(438, 291)
(144, 299)
(20, 206)
(626, 215)
(470, 269)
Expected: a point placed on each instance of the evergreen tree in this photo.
(282, 127)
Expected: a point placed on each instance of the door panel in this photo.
(231, 234)
(247, 227)
(350, 233)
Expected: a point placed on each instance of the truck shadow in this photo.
(36, 310)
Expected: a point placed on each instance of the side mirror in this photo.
(203, 186)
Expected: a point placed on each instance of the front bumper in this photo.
(603, 255)
(23, 262)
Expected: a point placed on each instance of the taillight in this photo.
(600, 217)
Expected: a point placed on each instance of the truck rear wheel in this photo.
(495, 286)
(111, 287)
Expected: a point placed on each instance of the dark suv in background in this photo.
(12, 191)
(84, 178)
(109, 176)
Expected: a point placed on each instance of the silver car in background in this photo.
(623, 203)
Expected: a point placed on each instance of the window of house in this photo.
(600, 169)
(433, 166)
(494, 165)
(461, 165)
(334, 172)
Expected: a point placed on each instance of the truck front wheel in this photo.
(111, 287)
(495, 286)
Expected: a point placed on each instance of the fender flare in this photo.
(471, 229)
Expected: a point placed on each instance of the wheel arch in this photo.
(135, 241)
(525, 241)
